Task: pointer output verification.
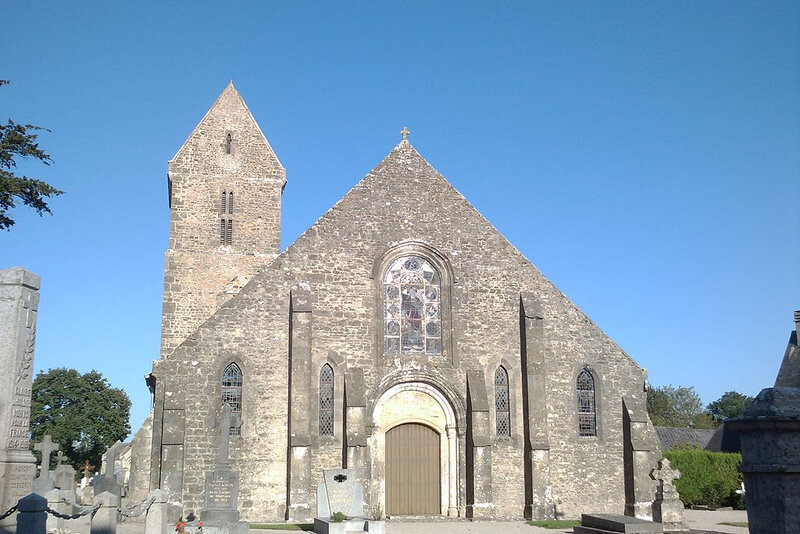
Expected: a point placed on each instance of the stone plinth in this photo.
(19, 301)
(327, 526)
(769, 434)
(613, 523)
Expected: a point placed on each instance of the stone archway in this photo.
(424, 404)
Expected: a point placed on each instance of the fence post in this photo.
(106, 519)
(158, 521)
(32, 517)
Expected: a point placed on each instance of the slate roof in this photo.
(672, 437)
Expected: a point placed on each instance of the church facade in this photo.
(401, 336)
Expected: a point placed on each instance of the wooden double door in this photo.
(413, 478)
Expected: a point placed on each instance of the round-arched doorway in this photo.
(414, 451)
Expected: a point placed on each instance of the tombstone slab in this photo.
(19, 301)
(343, 493)
(614, 523)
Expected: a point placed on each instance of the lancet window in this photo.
(232, 392)
(412, 307)
(226, 223)
(587, 409)
(501, 402)
(326, 401)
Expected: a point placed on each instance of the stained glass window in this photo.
(501, 402)
(586, 404)
(326, 401)
(412, 308)
(232, 392)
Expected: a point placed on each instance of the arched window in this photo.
(412, 307)
(501, 402)
(232, 392)
(230, 203)
(587, 413)
(228, 143)
(326, 401)
(222, 203)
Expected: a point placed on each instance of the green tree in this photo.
(675, 407)
(19, 141)
(82, 413)
(730, 404)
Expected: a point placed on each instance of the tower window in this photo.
(228, 143)
(587, 412)
(232, 392)
(501, 403)
(326, 401)
(223, 202)
(230, 203)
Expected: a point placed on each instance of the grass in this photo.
(556, 523)
(734, 523)
(307, 527)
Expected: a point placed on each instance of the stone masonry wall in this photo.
(402, 207)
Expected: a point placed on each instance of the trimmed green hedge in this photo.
(707, 478)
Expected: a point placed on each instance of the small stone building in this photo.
(401, 336)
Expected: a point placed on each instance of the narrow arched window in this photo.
(501, 402)
(222, 232)
(412, 307)
(228, 143)
(222, 203)
(229, 233)
(587, 411)
(230, 203)
(232, 393)
(326, 401)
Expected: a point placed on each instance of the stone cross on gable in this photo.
(225, 422)
(47, 448)
(111, 458)
(405, 133)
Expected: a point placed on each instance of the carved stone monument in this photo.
(19, 301)
(45, 481)
(220, 514)
(769, 433)
(340, 493)
(668, 507)
(107, 480)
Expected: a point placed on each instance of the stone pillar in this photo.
(769, 434)
(355, 422)
(538, 492)
(107, 516)
(479, 449)
(19, 301)
(32, 517)
(158, 520)
(640, 450)
(301, 494)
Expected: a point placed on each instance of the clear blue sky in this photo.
(644, 156)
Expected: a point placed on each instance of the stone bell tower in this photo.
(225, 186)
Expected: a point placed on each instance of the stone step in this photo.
(619, 523)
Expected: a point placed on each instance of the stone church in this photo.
(401, 336)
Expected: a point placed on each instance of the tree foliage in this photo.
(19, 141)
(676, 407)
(730, 404)
(82, 413)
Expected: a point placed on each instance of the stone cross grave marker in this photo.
(668, 508)
(665, 474)
(107, 481)
(226, 421)
(43, 482)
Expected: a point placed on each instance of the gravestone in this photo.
(220, 514)
(45, 482)
(341, 493)
(668, 507)
(65, 480)
(107, 480)
(19, 300)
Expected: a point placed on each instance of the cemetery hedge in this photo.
(707, 478)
